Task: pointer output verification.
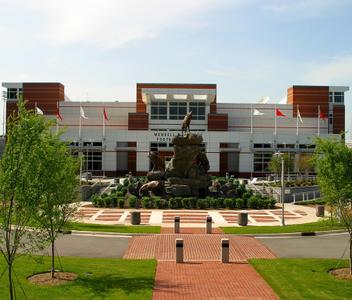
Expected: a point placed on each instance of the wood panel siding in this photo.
(218, 122)
(338, 118)
(46, 95)
(223, 163)
(308, 99)
(142, 107)
(138, 121)
(132, 158)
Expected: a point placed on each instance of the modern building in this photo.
(239, 138)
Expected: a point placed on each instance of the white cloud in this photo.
(109, 23)
(336, 71)
(300, 8)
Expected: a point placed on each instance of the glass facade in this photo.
(158, 110)
(261, 162)
(198, 110)
(177, 110)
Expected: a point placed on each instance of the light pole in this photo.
(280, 155)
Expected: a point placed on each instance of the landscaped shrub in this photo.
(119, 194)
(121, 202)
(113, 200)
(123, 190)
(240, 203)
(132, 201)
(202, 203)
(253, 202)
(95, 199)
(107, 201)
(229, 203)
(159, 202)
(173, 203)
(186, 203)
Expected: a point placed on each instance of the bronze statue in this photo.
(152, 186)
(157, 161)
(186, 122)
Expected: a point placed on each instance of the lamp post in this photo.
(280, 155)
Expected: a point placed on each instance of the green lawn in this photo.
(113, 228)
(323, 225)
(98, 279)
(304, 278)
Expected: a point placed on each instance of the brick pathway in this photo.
(196, 218)
(209, 280)
(190, 230)
(197, 248)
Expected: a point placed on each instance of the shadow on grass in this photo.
(103, 285)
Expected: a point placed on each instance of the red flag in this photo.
(322, 116)
(105, 115)
(279, 113)
(58, 115)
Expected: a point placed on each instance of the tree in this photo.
(20, 178)
(305, 164)
(57, 197)
(333, 161)
(275, 163)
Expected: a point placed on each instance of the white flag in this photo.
(38, 111)
(299, 116)
(256, 112)
(82, 113)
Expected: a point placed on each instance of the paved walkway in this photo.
(196, 218)
(202, 275)
(209, 280)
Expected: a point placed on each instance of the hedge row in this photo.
(130, 201)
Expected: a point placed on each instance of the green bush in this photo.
(123, 191)
(240, 203)
(159, 203)
(113, 200)
(202, 203)
(132, 201)
(95, 198)
(107, 201)
(121, 202)
(147, 202)
(253, 202)
(173, 203)
(229, 203)
(187, 203)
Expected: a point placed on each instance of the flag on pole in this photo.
(256, 112)
(82, 113)
(279, 113)
(105, 115)
(58, 115)
(322, 116)
(299, 115)
(38, 111)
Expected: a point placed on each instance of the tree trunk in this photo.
(10, 281)
(53, 259)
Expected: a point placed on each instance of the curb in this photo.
(293, 234)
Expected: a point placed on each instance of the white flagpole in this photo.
(57, 117)
(103, 124)
(80, 122)
(251, 118)
(297, 118)
(275, 120)
(318, 120)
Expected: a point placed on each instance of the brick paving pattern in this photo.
(145, 217)
(209, 280)
(186, 216)
(190, 230)
(197, 248)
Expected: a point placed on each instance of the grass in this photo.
(304, 278)
(323, 225)
(113, 228)
(97, 279)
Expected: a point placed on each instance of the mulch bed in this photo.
(45, 278)
(342, 274)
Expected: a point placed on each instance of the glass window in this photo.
(13, 93)
(261, 162)
(198, 110)
(158, 110)
(331, 97)
(261, 146)
(177, 110)
(339, 97)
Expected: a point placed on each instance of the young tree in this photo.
(19, 180)
(305, 164)
(333, 161)
(275, 164)
(57, 197)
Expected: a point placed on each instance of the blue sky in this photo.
(249, 48)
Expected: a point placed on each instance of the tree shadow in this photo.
(102, 285)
